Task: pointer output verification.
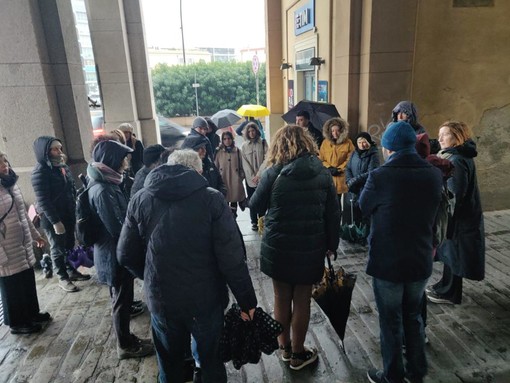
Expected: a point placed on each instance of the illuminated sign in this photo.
(304, 18)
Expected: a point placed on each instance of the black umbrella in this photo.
(333, 294)
(319, 112)
(171, 132)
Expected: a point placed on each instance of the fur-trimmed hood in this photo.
(344, 130)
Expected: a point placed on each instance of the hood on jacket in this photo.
(42, 149)
(468, 149)
(111, 153)
(245, 132)
(304, 167)
(408, 108)
(173, 182)
(344, 130)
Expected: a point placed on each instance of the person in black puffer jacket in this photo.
(55, 195)
(109, 202)
(180, 237)
(302, 224)
(363, 160)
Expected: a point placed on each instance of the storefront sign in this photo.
(304, 18)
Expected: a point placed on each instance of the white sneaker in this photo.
(68, 286)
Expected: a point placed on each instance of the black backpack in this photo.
(88, 223)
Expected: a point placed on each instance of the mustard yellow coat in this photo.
(337, 155)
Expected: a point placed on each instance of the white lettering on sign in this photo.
(303, 18)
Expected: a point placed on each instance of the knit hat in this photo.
(399, 136)
(194, 142)
(126, 127)
(152, 153)
(366, 136)
(200, 122)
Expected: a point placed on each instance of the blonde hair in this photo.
(119, 136)
(459, 130)
(289, 143)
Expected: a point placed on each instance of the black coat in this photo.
(465, 251)
(402, 197)
(302, 220)
(54, 187)
(358, 168)
(139, 180)
(181, 238)
(316, 134)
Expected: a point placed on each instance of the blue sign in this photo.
(304, 18)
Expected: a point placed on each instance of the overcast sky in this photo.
(207, 23)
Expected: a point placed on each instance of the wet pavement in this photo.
(468, 342)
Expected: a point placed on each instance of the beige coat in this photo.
(231, 170)
(253, 156)
(16, 234)
(336, 154)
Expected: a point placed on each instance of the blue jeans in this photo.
(171, 338)
(399, 306)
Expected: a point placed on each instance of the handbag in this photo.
(34, 216)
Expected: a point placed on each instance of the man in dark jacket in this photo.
(211, 173)
(200, 128)
(303, 120)
(109, 202)
(181, 238)
(55, 195)
(151, 159)
(402, 197)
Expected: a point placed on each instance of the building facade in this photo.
(450, 57)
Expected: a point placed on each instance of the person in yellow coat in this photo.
(335, 152)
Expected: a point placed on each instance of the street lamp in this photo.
(196, 85)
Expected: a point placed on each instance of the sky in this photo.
(206, 23)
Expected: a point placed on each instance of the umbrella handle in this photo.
(331, 270)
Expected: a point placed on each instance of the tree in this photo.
(222, 85)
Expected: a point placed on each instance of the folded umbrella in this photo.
(333, 295)
(319, 112)
(243, 341)
(225, 118)
(352, 232)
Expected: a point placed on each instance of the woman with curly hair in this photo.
(335, 151)
(463, 252)
(302, 224)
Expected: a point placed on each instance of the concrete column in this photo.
(118, 42)
(274, 55)
(42, 90)
(387, 54)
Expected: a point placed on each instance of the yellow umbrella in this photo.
(253, 111)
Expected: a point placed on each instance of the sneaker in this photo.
(136, 310)
(437, 298)
(41, 317)
(376, 376)
(67, 285)
(28, 328)
(137, 340)
(75, 275)
(254, 227)
(299, 360)
(137, 350)
(137, 303)
(286, 353)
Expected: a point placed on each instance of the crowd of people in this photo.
(169, 218)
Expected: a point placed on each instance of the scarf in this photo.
(8, 180)
(108, 173)
(445, 153)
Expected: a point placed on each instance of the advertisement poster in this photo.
(323, 91)
(290, 93)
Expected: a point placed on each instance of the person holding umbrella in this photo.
(303, 120)
(302, 224)
(335, 152)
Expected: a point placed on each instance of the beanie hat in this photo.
(423, 145)
(366, 136)
(126, 127)
(194, 142)
(200, 122)
(152, 153)
(399, 136)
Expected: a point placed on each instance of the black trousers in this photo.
(449, 286)
(19, 298)
(253, 214)
(122, 299)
